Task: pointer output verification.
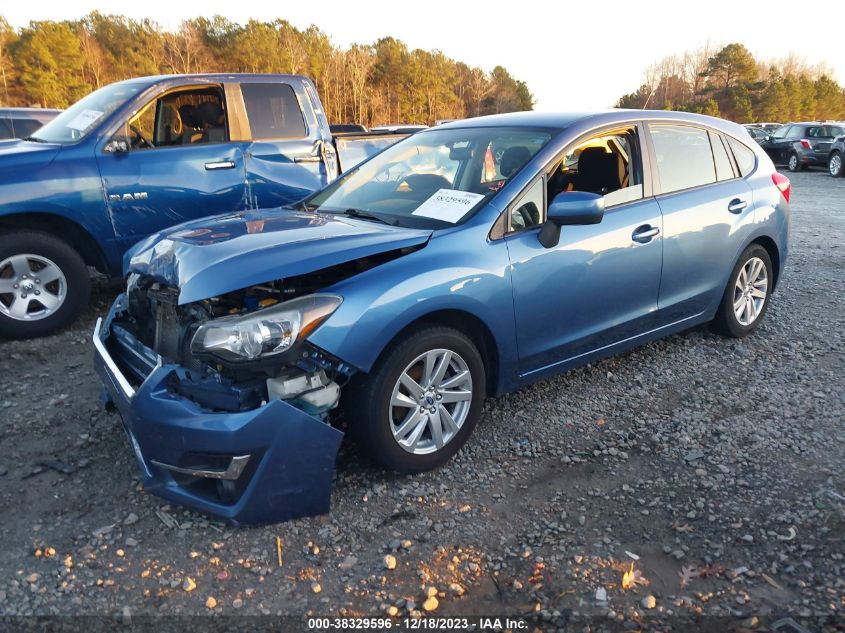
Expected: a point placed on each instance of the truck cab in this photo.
(136, 157)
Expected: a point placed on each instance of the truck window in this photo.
(183, 117)
(273, 111)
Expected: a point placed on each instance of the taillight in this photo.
(805, 144)
(783, 184)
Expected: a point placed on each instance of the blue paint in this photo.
(75, 181)
(596, 292)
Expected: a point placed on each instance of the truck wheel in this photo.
(44, 284)
(834, 165)
(419, 404)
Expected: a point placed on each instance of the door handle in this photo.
(220, 164)
(736, 205)
(644, 233)
(307, 159)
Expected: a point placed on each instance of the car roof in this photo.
(561, 120)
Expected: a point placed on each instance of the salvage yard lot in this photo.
(719, 463)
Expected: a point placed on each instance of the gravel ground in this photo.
(713, 466)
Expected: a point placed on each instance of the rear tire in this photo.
(794, 163)
(29, 305)
(746, 297)
(835, 165)
(404, 437)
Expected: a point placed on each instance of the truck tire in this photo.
(44, 284)
(421, 401)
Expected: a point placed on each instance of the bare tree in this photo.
(95, 64)
(184, 50)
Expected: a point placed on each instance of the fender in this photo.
(379, 303)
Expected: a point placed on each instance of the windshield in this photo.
(80, 119)
(432, 179)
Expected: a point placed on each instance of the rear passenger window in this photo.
(782, 132)
(744, 156)
(724, 169)
(5, 130)
(273, 111)
(684, 157)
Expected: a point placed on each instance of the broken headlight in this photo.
(265, 332)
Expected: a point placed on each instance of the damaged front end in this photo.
(226, 404)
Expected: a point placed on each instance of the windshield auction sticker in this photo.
(449, 205)
(84, 120)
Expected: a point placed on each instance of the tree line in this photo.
(53, 64)
(729, 82)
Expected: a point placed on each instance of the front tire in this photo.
(421, 401)
(44, 284)
(794, 163)
(834, 166)
(746, 297)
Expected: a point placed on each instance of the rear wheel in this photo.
(418, 406)
(746, 298)
(44, 284)
(794, 163)
(834, 165)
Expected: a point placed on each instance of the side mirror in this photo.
(117, 146)
(570, 208)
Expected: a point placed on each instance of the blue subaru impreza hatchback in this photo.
(463, 262)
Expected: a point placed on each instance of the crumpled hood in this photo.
(26, 155)
(212, 256)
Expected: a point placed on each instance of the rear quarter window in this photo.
(744, 155)
(273, 111)
(724, 169)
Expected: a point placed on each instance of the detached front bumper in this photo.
(268, 464)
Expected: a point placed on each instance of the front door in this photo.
(599, 285)
(172, 162)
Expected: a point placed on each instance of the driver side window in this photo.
(183, 117)
(607, 164)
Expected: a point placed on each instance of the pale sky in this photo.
(573, 55)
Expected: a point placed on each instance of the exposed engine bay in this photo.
(302, 375)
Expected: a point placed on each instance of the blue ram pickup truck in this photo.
(138, 156)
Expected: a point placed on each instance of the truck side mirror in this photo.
(117, 145)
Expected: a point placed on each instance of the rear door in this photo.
(707, 209)
(172, 161)
(823, 142)
(287, 157)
